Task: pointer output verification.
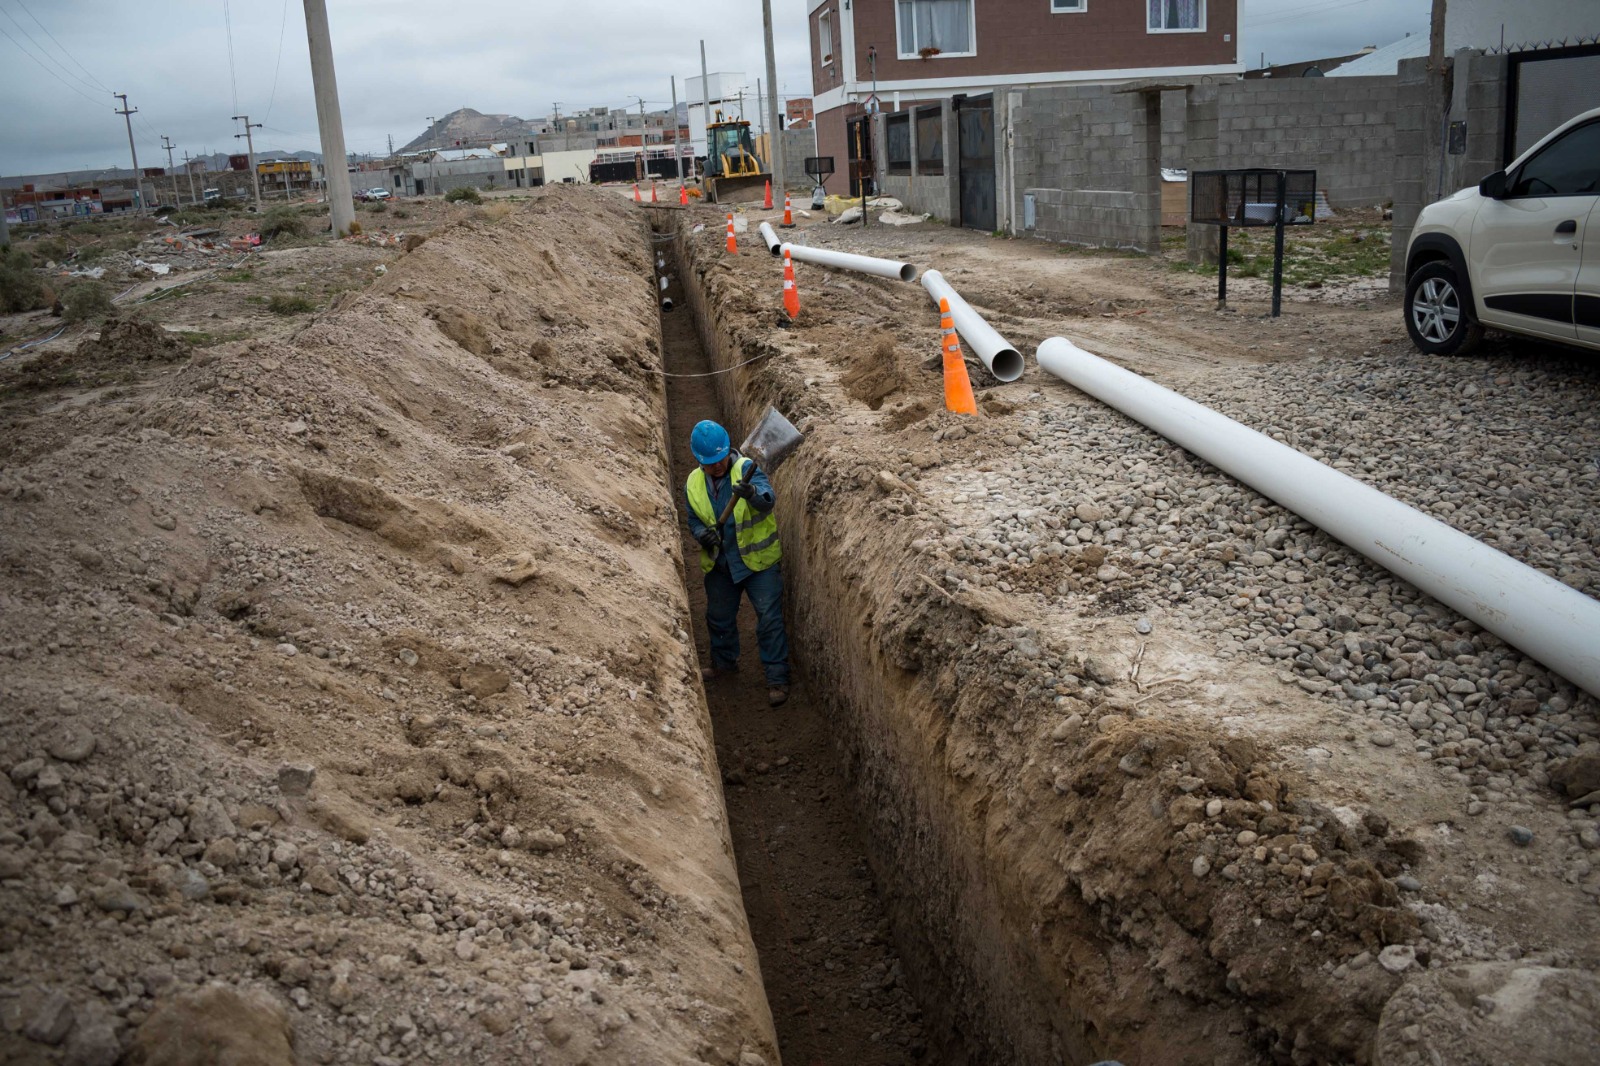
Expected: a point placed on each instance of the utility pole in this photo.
(250, 145)
(138, 186)
(677, 149)
(432, 136)
(761, 112)
(1436, 38)
(166, 142)
(193, 199)
(705, 94)
(391, 146)
(341, 205)
(775, 164)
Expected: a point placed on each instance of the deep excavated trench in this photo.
(834, 981)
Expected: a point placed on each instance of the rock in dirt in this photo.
(93, 1041)
(47, 1018)
(218, 1025)
(1577, 776)
(1480, 1014)
(296, 779)
(70, 742)
(482, 680)
(1397, 958)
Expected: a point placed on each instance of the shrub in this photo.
(465, 194)
(282, 222)
(20, 287)
(86, 301)
(285, 304)
(377, 209)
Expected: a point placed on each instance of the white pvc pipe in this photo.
(866, 264)
(1552, 622)
(774, 245)
(1003, 361)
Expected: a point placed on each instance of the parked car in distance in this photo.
(375, 194)
(1519, 253)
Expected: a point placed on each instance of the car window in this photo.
(1569, 166)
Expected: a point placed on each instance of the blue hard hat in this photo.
(708, 442)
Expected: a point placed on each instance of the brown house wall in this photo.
(1024, 37)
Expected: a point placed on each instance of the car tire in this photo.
(1437, 312)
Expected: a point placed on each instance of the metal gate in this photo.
(1545, 87)
(975, 126)
(858, 142)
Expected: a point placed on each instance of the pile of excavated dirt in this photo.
(1150, 769)
(350, 709)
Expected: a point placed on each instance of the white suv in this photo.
(1521, 252)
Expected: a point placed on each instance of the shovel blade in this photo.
(772, 441)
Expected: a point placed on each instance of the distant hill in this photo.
(470, 128)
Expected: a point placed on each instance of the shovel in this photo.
(772, 441)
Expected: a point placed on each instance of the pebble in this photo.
(296, 779)
(1142, 627)
(71, 742)
(1382, 739)
(1520, 835)
(49, 1020)
(115, 896)
(1201, 866)
(1397, 958)
(1407, 883)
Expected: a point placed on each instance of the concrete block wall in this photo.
(922, 194)
(1342, 127)
(1472, 87)
(1088, 156)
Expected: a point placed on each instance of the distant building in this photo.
(798, 112)
(1310, 68)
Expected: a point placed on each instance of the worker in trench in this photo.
(730, 516)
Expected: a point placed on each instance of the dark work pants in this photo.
(765, 589)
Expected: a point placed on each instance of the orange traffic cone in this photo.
(957, 386)
(683, 196)
(636, 193)
(791, 294)
(788, 213)
(768, 205)
(733, 245)
(652, 192)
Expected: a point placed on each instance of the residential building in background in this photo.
(884, 55)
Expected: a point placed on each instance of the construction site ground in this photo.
(351, 639)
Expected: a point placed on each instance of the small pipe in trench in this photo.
(1552, 622)
(1003, 361)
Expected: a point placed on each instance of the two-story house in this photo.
(882, 54)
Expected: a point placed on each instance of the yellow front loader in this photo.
(733, 172)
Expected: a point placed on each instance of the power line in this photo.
(44, 51)
(233, 78)
(62, 47)
(47, 70)
(284, 22)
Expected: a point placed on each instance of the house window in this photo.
(897, 142)
(1177, 16)
(825, 37)
(930, 140)
(1067, 7)
(928, 28)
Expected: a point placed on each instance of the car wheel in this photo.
(1437, 317)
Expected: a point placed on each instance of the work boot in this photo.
(777, 695)
(709, 674)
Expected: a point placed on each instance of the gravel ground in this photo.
(1500, 447)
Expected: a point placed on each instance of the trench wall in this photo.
(1043, 873)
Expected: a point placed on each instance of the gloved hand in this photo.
(709, 539)
(744, 490)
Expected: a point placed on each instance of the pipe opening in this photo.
(1007, 364)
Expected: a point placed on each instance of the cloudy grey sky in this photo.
(400, 61)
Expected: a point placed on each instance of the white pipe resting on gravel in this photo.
(1003, 361)
(1554, 623)
(774, 245)
(866, 264)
